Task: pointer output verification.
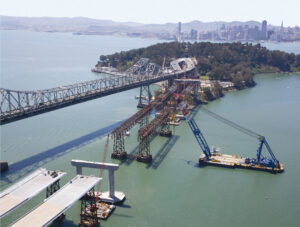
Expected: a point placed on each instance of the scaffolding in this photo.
(88, 214)
(118, 134)
(147, 131)
(52, 188)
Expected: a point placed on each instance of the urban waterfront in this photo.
(172, 191)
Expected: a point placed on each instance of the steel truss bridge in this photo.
(16, 105)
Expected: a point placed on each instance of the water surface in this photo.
(173, 191)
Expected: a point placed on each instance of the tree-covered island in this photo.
(231, 62)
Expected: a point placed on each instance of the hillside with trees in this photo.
(235, 62)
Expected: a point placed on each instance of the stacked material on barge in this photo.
(104, 210)
(233, 161)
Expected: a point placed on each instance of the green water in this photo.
(172, 191)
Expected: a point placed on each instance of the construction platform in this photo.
(104, 210)
(233, 161)
(25, 189)
(59, 202)
(144, 158)
(119, 155)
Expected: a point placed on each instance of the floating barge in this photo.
(104, 210)
(233, 161)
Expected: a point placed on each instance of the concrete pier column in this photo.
(110, 196)
(111, 183)
(79, 170)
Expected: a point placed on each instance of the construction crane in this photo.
(271, 162)
(199, 137)
(214, 158)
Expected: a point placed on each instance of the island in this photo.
(234, 63)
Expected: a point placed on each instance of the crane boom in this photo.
(199, 137)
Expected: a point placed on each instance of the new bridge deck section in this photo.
(25, 189)
(59, 202)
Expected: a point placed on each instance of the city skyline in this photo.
(159, 12)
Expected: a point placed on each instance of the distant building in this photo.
(270, 33)
(282, 28)
(194, 34)
(179, 38)
(264, 30)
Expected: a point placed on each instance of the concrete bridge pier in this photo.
(110, 196)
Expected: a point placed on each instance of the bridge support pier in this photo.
(144, 150)
(110, 196)
(52, 188)
(119, 147)
(144, 147)
(145, 96)
(88, 214)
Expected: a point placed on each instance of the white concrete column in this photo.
(111, 178)
(79, 170)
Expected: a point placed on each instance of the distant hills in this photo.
(83, 25)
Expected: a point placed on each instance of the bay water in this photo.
(173, 190)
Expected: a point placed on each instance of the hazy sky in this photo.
(160, 11)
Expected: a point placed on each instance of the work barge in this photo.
(214, 158)
(233, 161)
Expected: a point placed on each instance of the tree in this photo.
(217, 90)
(208, 95)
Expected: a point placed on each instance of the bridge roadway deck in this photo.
(59, 202)
(28, 111)
(25, 189)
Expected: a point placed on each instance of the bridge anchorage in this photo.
(16, 105)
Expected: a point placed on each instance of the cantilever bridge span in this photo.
(17, 105)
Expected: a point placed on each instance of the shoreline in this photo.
(76, 33)
(236, 90)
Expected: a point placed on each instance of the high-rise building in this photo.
(179, 33)
(264, 30)
(194, 34)
(282, 28)
(179, 28)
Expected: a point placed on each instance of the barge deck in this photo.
(233, 161)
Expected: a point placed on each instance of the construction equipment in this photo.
(232, 161)
(199, 137)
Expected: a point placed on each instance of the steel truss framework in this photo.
(16, 105)
(88, 214)
(119, 133)
(145, 94)
(52, 188)
(147, 131)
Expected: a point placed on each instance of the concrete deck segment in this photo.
(25, 189)
(59, 202)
